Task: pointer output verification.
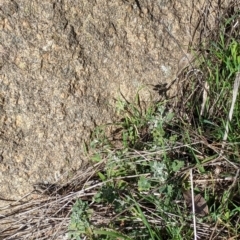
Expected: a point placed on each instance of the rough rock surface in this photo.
(62, 63)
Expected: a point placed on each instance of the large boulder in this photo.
(63, 62)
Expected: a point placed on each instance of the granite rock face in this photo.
(63, 62)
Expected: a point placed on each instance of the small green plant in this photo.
(80, 223)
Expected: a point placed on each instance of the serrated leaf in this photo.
(177, 165)
(143, 184)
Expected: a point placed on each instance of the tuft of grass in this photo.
(146, 190)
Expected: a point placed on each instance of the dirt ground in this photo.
(62, 64)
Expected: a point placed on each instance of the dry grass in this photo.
(46, 215)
